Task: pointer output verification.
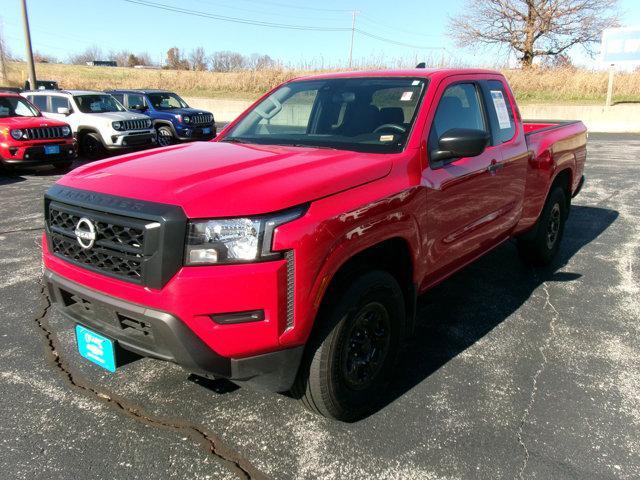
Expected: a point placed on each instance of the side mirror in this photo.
(63, 111)
(458, 143)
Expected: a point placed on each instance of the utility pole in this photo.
(3, 58)
(353, 31)
(27, 35)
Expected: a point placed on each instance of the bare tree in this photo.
(198, 59)
(257, 61)
(88, 55)
(534, 28)
(175, 60)
(44, 58)
(227, 61)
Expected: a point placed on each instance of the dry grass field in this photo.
(531, 86)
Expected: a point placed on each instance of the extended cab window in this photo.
(501, 112)
(59, 102)
(373, 114)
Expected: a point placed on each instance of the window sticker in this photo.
(415, 82)
(406, 96)
(501, 109)
(95, 106)
(386, 138)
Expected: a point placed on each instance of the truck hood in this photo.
(209, 179)
(29, 122)
(184, 111)
(114, 116)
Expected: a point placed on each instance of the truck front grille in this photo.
(118, 247)
(202, 119)
(135, 124)
(42, 133)
(132, 240)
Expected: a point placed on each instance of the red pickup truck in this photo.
(288, 253)
(27, 138)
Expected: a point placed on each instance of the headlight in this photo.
(186, 119)
(149, 123)
(66, 131)
(234, 240)
(17, 134)
(117, 125)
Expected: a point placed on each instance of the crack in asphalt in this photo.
(238, 465)
(536, 376)
(21, 230)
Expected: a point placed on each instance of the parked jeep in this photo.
(98, 120)
(173, 118)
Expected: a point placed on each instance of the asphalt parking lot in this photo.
(512, 373)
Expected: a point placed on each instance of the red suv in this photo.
(28, 139)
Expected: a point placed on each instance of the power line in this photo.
(402, 44)
(368, 19)
(277, 25)
(225, 18)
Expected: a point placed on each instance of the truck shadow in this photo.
(457, 313)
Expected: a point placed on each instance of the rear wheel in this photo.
(351, 354)
(165, 136)
(540, 246)
(91, 146)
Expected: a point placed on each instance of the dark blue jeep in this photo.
(173, 118)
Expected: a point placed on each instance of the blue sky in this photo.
(62, 27)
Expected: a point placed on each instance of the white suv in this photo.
(97, 119)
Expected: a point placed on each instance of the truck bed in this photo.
(535, 126)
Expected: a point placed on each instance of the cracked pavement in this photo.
(512, 373)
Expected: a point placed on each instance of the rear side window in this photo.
(40, 101)
(459, 107)
(502, 117)
(59, 102)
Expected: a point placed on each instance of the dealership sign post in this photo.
(619, 45)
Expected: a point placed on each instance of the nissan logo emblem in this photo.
(85, 233)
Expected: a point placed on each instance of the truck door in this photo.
(509, 172)
(462, 201)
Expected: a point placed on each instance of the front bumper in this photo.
(196, 133)
(162, 335)
(125, 140)
(30, 155)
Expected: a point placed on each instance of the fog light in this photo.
(26, 155)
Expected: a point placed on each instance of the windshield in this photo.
(96, 103)
(370, 114)
(166, 101)
(16, 107)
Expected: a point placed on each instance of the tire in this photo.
(352, 351)
(91, 146)
(165, 136)
(63, 166)
(540, 246)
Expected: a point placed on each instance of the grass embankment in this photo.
(558, 86)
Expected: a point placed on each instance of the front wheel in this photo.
(91, 146)
(540, 246)
(165, 136)
(351, 354)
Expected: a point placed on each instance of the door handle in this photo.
(494, 166)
